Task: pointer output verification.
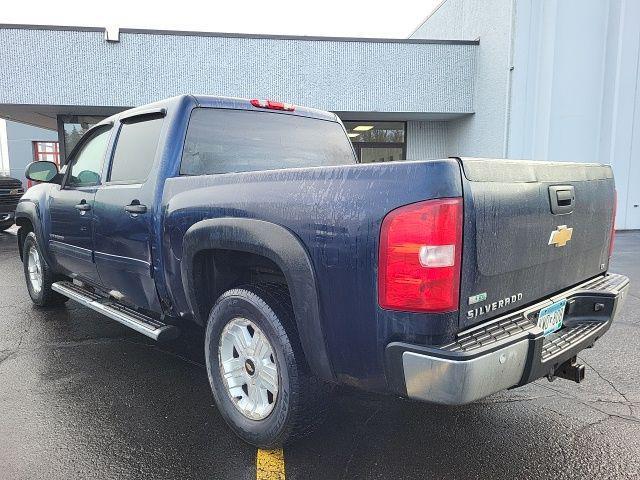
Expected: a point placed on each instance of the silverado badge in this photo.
(560, 236)
(490, 307)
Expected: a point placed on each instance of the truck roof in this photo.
(212, 101)
(244, 104)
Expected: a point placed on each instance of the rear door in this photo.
(71, 207)
(531, 229)
(124, 214)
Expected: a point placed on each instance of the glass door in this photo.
(378, 141)
(370, 154)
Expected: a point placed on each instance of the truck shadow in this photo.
(122, 394)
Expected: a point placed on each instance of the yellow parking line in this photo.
(270, 464)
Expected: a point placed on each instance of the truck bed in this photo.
(336, 212)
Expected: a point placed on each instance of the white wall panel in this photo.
(483, 134)
(573, 93)
(426, 140)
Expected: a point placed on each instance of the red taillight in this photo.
(270, 104)
(419, 257)
(612, 238)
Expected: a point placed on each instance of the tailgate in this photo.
(511, 255)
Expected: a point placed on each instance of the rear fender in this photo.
(281, 247)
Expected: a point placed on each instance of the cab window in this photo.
(135, 150)
(224, 141)
(86, 167)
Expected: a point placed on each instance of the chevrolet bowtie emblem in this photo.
(560, 236)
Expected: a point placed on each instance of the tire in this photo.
(300, 401)
(40, 292)
(6, 225)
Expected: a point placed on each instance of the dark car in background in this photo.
(11, 190)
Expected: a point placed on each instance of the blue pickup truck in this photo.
(443, 280)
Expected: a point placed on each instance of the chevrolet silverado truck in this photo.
(442, 280)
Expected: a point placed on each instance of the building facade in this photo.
(555, 80)
(21, 144)
(541, 79)
(404, 89)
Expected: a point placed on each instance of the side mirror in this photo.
(42, 171)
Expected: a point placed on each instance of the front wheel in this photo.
(38, 274)
(256, 367)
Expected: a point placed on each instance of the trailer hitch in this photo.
(570, 370)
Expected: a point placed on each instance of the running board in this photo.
(127, 316)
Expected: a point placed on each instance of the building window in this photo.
(49, 151)
(378, 141)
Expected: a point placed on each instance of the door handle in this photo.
(565, 197)
(136, 207)
(83, 206)
(562, 198)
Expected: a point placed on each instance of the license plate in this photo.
(550, 318)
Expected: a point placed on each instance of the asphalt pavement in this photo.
(83, 397)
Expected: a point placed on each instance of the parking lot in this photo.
(83, 397)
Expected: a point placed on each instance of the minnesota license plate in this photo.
(550, 318)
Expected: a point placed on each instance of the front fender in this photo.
(28, 211)
(281, 247)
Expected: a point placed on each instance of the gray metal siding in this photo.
(20, 147)
(483, 134)
(426, 140)
(81, 68)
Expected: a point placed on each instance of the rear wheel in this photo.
(38, 274)
(258, 373)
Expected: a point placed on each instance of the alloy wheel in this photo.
(34, 266)
(248, 368)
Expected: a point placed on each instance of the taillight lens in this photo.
(612, 237)
(419, 257)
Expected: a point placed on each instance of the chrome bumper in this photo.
(511, 350)
(455, 382)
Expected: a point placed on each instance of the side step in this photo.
(120, 313)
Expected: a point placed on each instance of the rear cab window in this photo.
(225, 141)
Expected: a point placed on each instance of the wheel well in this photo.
(216, 271)
(25, 227)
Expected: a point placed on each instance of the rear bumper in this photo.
(508, 351)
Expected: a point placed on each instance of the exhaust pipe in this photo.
(571, 370)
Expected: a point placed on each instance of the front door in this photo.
(124, 215)
(71, 207)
